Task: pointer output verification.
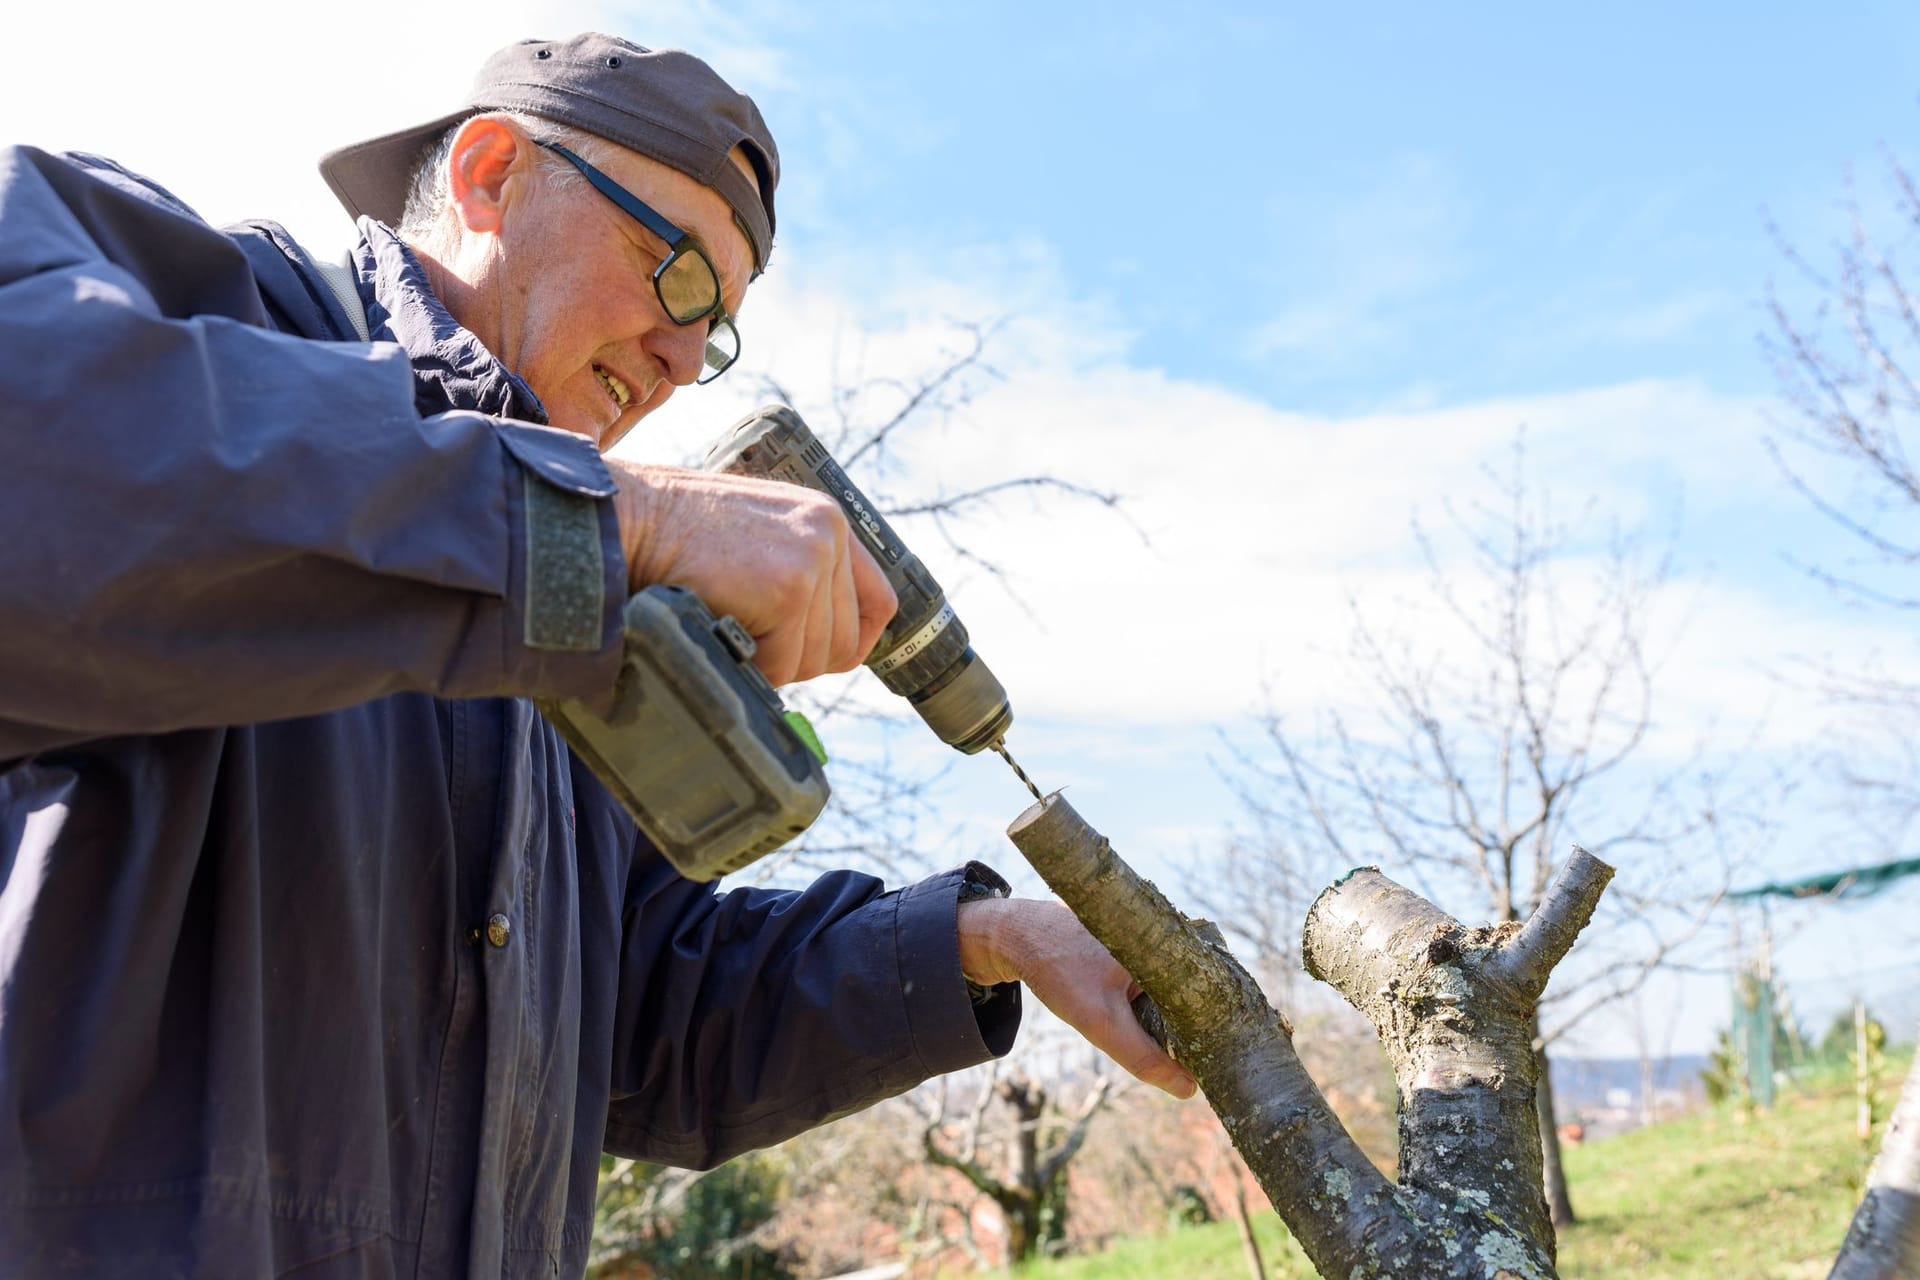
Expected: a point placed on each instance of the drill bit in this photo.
(1000, 745)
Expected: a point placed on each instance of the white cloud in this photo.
(1262, 523)
(231, 103)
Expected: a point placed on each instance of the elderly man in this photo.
(318, 952)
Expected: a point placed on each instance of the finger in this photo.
(1070, 972)
(1113, 1029)
(817, 652)
(1143, 1058)
(1149, 1062)
(847, 653)
(777, 654)
(875, 594)
(1108, 1022)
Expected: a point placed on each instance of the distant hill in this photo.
(1587, 1088)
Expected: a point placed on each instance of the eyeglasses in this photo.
(687, 284)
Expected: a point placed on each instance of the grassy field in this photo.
(1716, 1196)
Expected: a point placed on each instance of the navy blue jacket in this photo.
(317, 949)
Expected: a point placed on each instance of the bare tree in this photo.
(1028, 1180)
(1455, 1008)
(1847, 363)
(859, 1189)
(1848, 368)
(1847, 373)
(1157, 1160)
(1517, 717)
(865, 421)
(709, 1224)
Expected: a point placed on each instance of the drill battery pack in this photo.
(694, 742)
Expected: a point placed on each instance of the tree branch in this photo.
(1069, 1146)
(1549, 933)
(1350, 1220)
(1223, 1030)
(1459, 1032)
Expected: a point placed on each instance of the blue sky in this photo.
(1337, 211)
(1430, 225)
(1284, 277)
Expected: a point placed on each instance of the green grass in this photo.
(1211, 1252)
(1715, 1196)
(1722, 1196)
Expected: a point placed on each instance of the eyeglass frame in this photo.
(678, 242)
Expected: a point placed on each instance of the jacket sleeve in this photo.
(746, 1017)
(208, 522)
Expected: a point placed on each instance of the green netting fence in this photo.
(1855, 882)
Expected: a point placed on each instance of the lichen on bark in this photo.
(1453, 1005)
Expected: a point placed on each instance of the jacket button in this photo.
(499, 929)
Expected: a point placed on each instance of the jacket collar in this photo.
(451, 368)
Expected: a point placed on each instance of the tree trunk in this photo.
(1023, 1227)
(1256, 1265)
(1027, 1099)
(1883, 1243)
(1454, 1007)
(1554, 1174)
(1032, 1194)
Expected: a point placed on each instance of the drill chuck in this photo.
(924, 655)
(967, 708)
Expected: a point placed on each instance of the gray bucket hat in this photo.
(662, 103)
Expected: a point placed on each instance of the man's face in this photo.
(566, 297)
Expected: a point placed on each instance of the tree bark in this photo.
(1453, 1006)
(1883, 1242)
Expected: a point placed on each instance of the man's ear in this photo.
(488, 152)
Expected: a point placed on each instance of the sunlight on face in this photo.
(561, 286)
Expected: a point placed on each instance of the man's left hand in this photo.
(1044, 945)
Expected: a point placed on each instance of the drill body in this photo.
(699, 748)
(925, 654)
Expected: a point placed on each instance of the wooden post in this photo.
(1862, 1075)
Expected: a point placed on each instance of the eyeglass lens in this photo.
(723, 348)
(688, 287)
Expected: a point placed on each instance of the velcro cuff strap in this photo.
(566, 582)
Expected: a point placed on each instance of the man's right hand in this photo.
(779, 557)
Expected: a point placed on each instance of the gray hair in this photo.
(429, 192)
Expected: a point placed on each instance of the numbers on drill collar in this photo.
(914, 643)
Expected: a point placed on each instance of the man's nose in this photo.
(683, 348)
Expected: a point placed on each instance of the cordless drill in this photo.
(924, 655)
(695, 743)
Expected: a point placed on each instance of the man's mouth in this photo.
(621, 393)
